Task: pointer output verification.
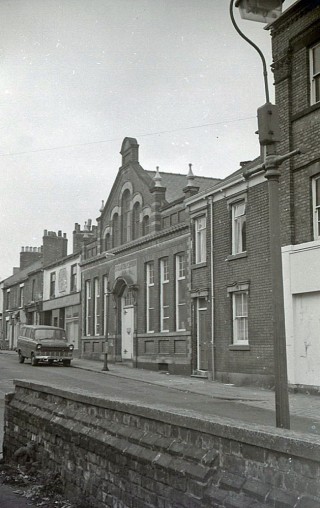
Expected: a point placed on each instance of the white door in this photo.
(127, 328)
(307, 338)
(202, 334)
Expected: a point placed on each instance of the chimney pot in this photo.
(59, 232)
(22, 249)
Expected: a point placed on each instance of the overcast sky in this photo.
(77, 76)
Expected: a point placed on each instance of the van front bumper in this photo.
(56, 358)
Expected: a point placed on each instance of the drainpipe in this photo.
(210, 201)
(135, 332)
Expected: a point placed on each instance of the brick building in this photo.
(61, 296)
(135, 275)
(22, 295)
(231, 286)
(23, 291)
(296, 55)
(230, 281)
(62, 284)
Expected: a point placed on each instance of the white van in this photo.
(43, 343)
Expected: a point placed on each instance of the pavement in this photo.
(301, 404)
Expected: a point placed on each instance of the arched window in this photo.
(145, 225)
(107, 242)
(136, 221)
(125, 216)
(115, 231)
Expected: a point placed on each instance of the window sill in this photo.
(237, 256)
(198, 265)
(239, 347)
(306, 111)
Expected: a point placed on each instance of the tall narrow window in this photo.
(7, 299)
(181, 314)
(316, 207)
(240, 317)
(200, 239)
(164, 295)
(33, 290)
(150, 304)
(107, 242)
(96, 302)
(125, 216)
(87, 307)
(73, 278)
(136, 221)
(115, 231)
(239, 243)
(52, 284)
(21, 295)
(145, 225)
(105, 304)
(315, 73)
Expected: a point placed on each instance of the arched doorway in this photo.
(127, 324)
(124, 292)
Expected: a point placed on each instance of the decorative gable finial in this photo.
(157, 178)
(190, 177)
(101, 207)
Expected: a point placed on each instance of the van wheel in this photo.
(66, 363)
(21, 358)
(34, 361)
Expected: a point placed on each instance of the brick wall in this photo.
(159, 350)
(255, 363)
(292, 36)
(118, 454)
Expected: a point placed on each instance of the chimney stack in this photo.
(28, 256)
(55, 246)
(83, 236)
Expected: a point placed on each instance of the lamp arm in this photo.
(265, 73)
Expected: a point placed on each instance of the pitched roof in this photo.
(175, 183)
(22, 274)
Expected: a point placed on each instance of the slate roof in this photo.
(22, 274)
(175, 183)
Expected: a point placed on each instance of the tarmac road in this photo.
(176, 393)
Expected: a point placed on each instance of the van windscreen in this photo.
(50, 334)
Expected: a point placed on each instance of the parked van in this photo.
(44, 344)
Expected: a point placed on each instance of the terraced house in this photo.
(296, 64)
(136, 274)
(231, 286)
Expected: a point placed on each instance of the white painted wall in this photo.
(301, 279)
(63, 278)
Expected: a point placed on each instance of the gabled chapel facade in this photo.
(136, 272)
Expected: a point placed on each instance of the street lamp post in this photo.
(105, 367)
(269, 135)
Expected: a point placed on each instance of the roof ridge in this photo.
(182, 174)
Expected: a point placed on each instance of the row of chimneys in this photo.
(55, 245)
(53, 233)
(31, 249)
